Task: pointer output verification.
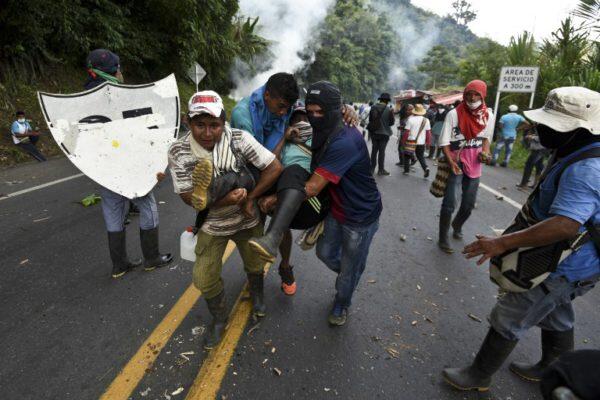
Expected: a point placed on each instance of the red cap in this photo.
(477, 86)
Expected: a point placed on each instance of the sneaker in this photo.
(405, 173)
(338, 315)
(427, 173)
(399, 164)
(504, 164)
(383, 172)
(288, 282)
(309, 237)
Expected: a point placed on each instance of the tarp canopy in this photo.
(118, 135)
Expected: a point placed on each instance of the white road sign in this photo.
(196, 73)
(518, 79)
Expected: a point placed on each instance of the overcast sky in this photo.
(499, 20)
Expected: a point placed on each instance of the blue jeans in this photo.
(116, 207)
(500, 144)
(344, 249)
(468, 198)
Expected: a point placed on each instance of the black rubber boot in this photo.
(255, 286)
(288, 203)
(554, 344)
(216, 306)
(457, 228)
(478, 376)
(152, 257)
(443, 241)
(118, 254)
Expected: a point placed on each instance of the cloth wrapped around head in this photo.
(327, 96)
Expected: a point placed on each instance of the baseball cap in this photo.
(513, 108)
(205, 102)
(569, 108)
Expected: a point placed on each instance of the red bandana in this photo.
(473, 122)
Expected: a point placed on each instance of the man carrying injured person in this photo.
(213, 149)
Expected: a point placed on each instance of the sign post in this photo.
(196, 73)
(517, 80)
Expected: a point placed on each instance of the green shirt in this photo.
(295, 154)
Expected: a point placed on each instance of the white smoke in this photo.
(289, 25)
(416, 39)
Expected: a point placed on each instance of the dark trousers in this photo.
(535, 159)
(420, 153)
(29, 148)
(379, 144)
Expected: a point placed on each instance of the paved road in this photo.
(67, 329)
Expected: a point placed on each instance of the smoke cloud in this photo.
(289, 25)
(416, 38)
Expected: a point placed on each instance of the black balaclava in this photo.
(327, 96)
(565, 143)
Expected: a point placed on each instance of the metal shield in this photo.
(118, 135)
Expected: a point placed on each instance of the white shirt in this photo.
(413, 124)
(450, 134)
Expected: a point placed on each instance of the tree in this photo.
(463, 12)
(440, 66)
(589, 10)
(522, 50)
(484, 60)
(352, 50)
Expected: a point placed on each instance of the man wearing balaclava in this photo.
(560, 226)
(465, 141)
(103, 66)
(340, 161)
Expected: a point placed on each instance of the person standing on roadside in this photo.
(537, 154)
(509, 124)
(104, 65)
(436, 131)
(465, 141)
(381, 120)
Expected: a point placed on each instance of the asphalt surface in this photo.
(67, 328)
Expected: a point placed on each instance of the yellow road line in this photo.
(211, 374)
(131, 375)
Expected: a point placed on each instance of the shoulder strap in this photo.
(594, 152)
(423, 123)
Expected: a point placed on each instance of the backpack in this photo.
(375, 118)
(522, 269)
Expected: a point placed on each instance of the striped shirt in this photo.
(222, 221)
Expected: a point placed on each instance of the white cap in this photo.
(205, 102)
(569, 108)
(513, 108)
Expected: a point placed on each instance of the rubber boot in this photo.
(255, 286)
(443, 241)
(478, 376)
(152, 257)
(288, 203)
(202, 177)
(554, 344)
(117, 247)
(216, 306)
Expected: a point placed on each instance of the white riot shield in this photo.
(118, 135)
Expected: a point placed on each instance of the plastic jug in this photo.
(187, 244)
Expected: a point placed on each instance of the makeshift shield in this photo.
(118, 135)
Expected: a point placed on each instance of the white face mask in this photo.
(21, 120)
(474, 105)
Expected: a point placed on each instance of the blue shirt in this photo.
(355, 199)
(19, 128)
(577, 197)
(510, 122)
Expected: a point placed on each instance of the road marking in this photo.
(45, 185)
(504, 197)
(130, 376)
(208, 381)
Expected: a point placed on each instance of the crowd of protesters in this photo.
(307, 166)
